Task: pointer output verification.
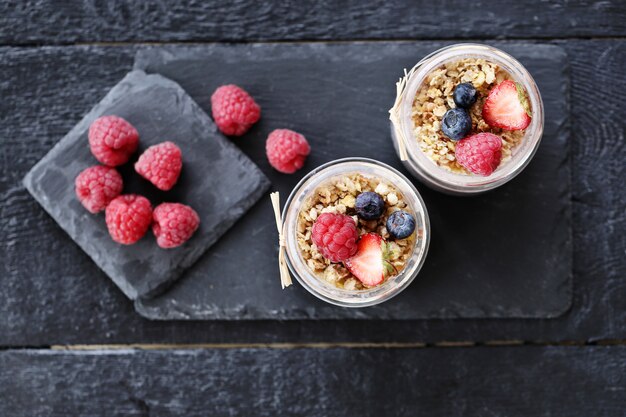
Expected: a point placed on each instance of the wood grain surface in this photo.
(58, 58)
(64, 298)
(66, 21)
(447, 382)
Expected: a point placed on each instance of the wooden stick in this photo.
(395, 110)
(285, 278)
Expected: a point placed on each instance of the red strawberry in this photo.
(370, 264)
(507, 107)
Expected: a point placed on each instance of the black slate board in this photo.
(217, 180)
(505, 254)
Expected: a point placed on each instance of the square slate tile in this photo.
(505, 254)
(217, 180)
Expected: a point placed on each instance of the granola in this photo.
(435, 97)
(339, 196)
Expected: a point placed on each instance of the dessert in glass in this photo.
(356, 232)
(467, 118)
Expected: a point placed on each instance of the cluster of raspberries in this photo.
(113, 141)
(235, 111)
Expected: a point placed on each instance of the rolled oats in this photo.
(339, 196)
(435, 97)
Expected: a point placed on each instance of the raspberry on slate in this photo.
(234, 110)
(480, 153)
(112, 140)
(161, 165)
(286, 150)
(96, 186)
(335, 236)
(174, 224)
(128, 217)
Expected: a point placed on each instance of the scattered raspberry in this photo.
(335, 236)
(96, 186)
(286, 150)
(128, 217)
(234, 110)
(161, 164)
(480, 154)
(112, 140)
(174, 224)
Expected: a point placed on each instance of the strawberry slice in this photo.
(507, 107)
(370, 264)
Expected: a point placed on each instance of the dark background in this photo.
(71, 343)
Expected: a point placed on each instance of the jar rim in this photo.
(426, 169)
(324, 290)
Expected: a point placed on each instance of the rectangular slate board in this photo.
(504, 254)
(217, 180)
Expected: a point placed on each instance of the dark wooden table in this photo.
(71, 343)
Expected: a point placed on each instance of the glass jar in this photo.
(426, 170)
(325, 290)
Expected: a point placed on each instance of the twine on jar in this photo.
(394, 113)
(285, 278)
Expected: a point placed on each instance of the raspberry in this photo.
(234, 110)
(112, 140)
(335, 236)
(96, 186)
(480, 153)
(174, 224)
(128, 217)
(286, 150)
(161, 164)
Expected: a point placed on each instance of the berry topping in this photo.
(234, 110)
(507, 107)
(480, 154)
(369, 205)
(112, 140)
(128, 217)
(370, 265)
(335, 236)
(174, 224)
(161, 164)
(400, 224)
(96, 186)
(286, 150)
(465, 95)
(456, 123)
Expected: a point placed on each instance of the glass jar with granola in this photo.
(467, 119)
(356, 232)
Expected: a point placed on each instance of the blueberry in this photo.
(369, 205)
(465, 95)
(400, 224)
(456, 124)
